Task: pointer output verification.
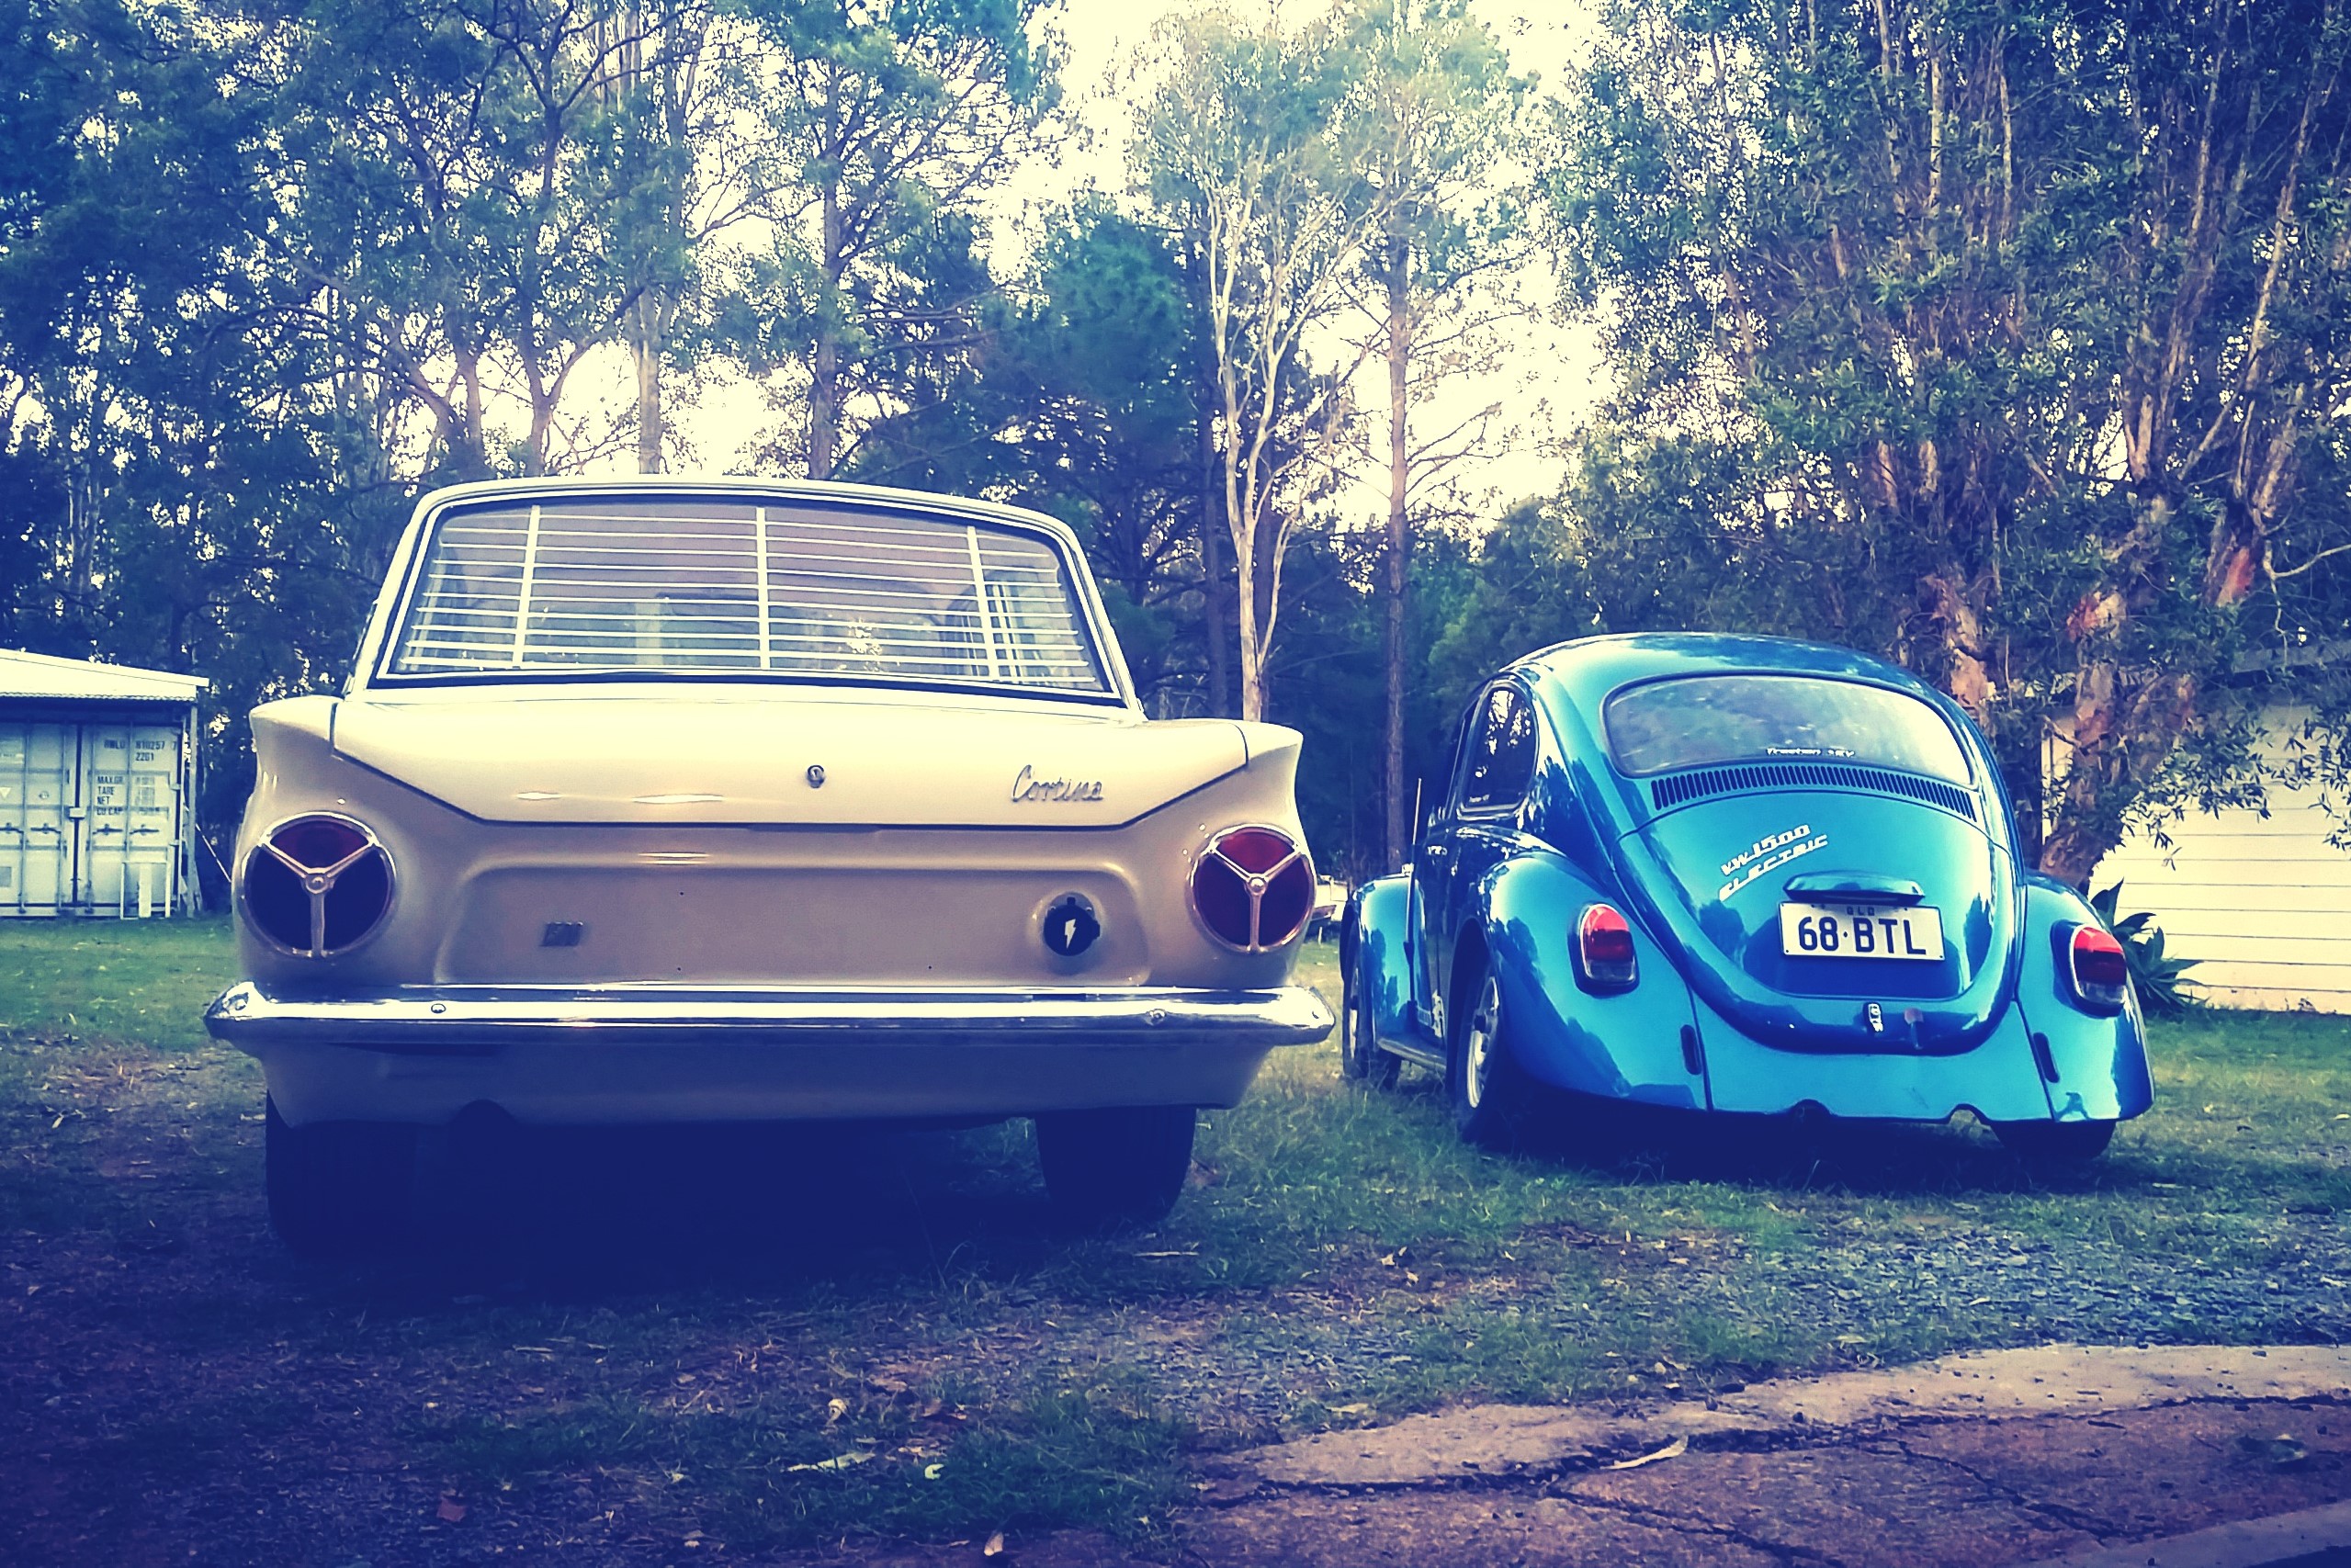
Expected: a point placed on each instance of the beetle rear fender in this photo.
(2097, 1065)
(1376, 955)
(1630, 1044)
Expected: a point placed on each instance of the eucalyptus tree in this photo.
(1440, 106)
(2009, 340)
(696, 154)
(1251, 144)
(899, 112)
(451, 182)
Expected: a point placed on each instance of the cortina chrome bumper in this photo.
(478, 1020)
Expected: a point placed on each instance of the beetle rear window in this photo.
(719, 586)
(1697, 721)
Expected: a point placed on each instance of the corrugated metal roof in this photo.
(43, 676)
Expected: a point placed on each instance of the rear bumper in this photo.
(622, 1055)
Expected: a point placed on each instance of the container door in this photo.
(107, 886)
(37, 763)
(155, 819)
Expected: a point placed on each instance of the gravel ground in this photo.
(2094, 1295)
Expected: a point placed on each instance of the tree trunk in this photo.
(1245, 584)
(1240, 517)
(1399, 544)
(2124, 733)
(469, 451)
(824, 369)
(1253, 686)
(1211, 569)
(1950, 600)
(542, 431)
(645, 345)
(823, 393)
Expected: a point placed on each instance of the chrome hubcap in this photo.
(1485, 1026)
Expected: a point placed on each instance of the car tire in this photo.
(337, 1188)
(1490, 1093)
(1108, 1169)
(1359, 1058)
(2056, 1142)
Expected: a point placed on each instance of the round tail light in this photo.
(317, 886)
(1604, 957)
(1253, 888)
(2101, 973)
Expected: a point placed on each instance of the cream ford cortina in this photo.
(659, 801)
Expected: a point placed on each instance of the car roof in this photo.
(479, 490)
(1587, 670)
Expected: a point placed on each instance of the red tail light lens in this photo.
(317, 886)
(2101, 972)
(1253, 888)
(1604, 958)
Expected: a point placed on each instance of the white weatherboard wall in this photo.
(2261, 902)
(97, 781)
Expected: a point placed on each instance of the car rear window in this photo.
(1698, 720)
(720, 586)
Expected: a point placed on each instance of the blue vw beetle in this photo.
(1733, 874)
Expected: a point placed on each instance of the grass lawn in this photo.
(623, 1346)
(120, 980)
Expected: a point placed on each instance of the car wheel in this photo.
(2056, 1142)
(1116, 1168)
(1490, 1092)
(1359, 1057)
(338, 1186)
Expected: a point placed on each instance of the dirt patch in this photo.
(1938, 1493)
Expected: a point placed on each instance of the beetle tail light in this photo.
(1253, 888)
(2101, 973)
(1604, 957)
(317, 886)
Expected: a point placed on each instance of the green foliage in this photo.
(1946, 333)
(902, 114)
(194, 474)
(1438, 104)
(1527, 586)
(1080, 396)
(1936, 336)
(2154, 975)
(267, 273)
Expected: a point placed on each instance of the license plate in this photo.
(1861, 931)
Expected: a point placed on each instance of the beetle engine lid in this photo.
(1720, 872)
(762, 758)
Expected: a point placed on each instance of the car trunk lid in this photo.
(725, 757)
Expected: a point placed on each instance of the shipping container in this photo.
(97, 789)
